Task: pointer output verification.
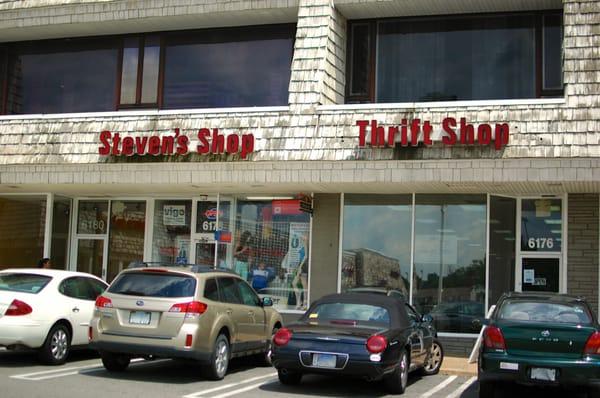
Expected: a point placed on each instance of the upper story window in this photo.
(455, 58)
(234, 67)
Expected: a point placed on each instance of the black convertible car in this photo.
(371, 336)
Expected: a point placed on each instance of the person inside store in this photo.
(260, 276)
(44, 263)
(242, 255)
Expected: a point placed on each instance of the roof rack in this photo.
(197, 268)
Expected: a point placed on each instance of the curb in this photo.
(458, 372)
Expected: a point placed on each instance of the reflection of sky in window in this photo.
(385, 229)
(246, 73)
(76, 81)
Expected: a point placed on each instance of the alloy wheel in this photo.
(404, 371)
(222, 358)
(59, 344)
(435, 358)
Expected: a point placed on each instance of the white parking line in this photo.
(201, 394)
(462, 388)
(61, 372)
(439, 387)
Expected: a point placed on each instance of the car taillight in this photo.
(17, 308)
(493, 338)
(592, 347)
(103, 302)
(376, 344)
(191, 308)
(282, 337)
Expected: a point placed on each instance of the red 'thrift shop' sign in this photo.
(411, 132)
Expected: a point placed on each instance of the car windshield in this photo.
(539, 311)
(153, 284)
(24, 283)
(349, 314)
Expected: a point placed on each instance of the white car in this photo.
(47, 310)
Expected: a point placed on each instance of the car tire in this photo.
(487, 389)
(57, 346)
(434, 362)
(219, 359)
(288, 377)
(396, 382)
(114, 362)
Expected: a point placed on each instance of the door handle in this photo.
(229, 311)
(75, 309)
(251, 313)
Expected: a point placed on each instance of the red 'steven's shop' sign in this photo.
(411, 132)
(209, 142)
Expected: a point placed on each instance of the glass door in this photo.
(204, 215)
(90, 248)
(539, 267)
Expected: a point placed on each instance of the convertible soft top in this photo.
(395, 305)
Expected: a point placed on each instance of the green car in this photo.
(540, 339)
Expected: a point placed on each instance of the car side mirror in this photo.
(267, 302)
(427, 318)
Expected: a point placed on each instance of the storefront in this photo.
(327, 163)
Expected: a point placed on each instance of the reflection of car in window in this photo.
(458, 316)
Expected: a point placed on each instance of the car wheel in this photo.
(486, 389)
(434, 362)
(397, 381)
(56, 346)
(219, 360)
(114, 362)
(288, 377)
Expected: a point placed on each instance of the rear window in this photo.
(349, 314)
(519, 310)
(24, 283)
(150, 284)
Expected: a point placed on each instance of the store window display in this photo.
(271, 251)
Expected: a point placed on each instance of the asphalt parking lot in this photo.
(84, 376)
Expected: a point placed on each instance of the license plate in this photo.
(543, 374)
(139, 318)
(324, 360)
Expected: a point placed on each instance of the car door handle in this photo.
(229, 311)
(75, 309)
(251, 313)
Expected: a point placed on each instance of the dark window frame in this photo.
(369, 96)
(209, 35)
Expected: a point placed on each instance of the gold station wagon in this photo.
(189, 312)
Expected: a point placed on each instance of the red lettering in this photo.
(447, 125)
(247, 145)
(392, 131)
(202, 135)
(105, 141)
(140, 145)
(218, 142)
(427, 129)
(414, 132)
(115, 144)
(484, 134)
(154, 145)
(467, 132)
(404, 133)
(501, 136)
(377, 134)
(182, 144)
(127, 148)
(168, 143)
(362, 132)
(233, 143)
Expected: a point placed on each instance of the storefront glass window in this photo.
(270, 250)
(92, 217)
(376, 243)
(449, 257)
(22, 224)
(172, 227)
(541, 225)
(126, 242)
(503, 232)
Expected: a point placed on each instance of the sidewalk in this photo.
(458, 366)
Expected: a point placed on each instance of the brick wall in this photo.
(583, 248)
